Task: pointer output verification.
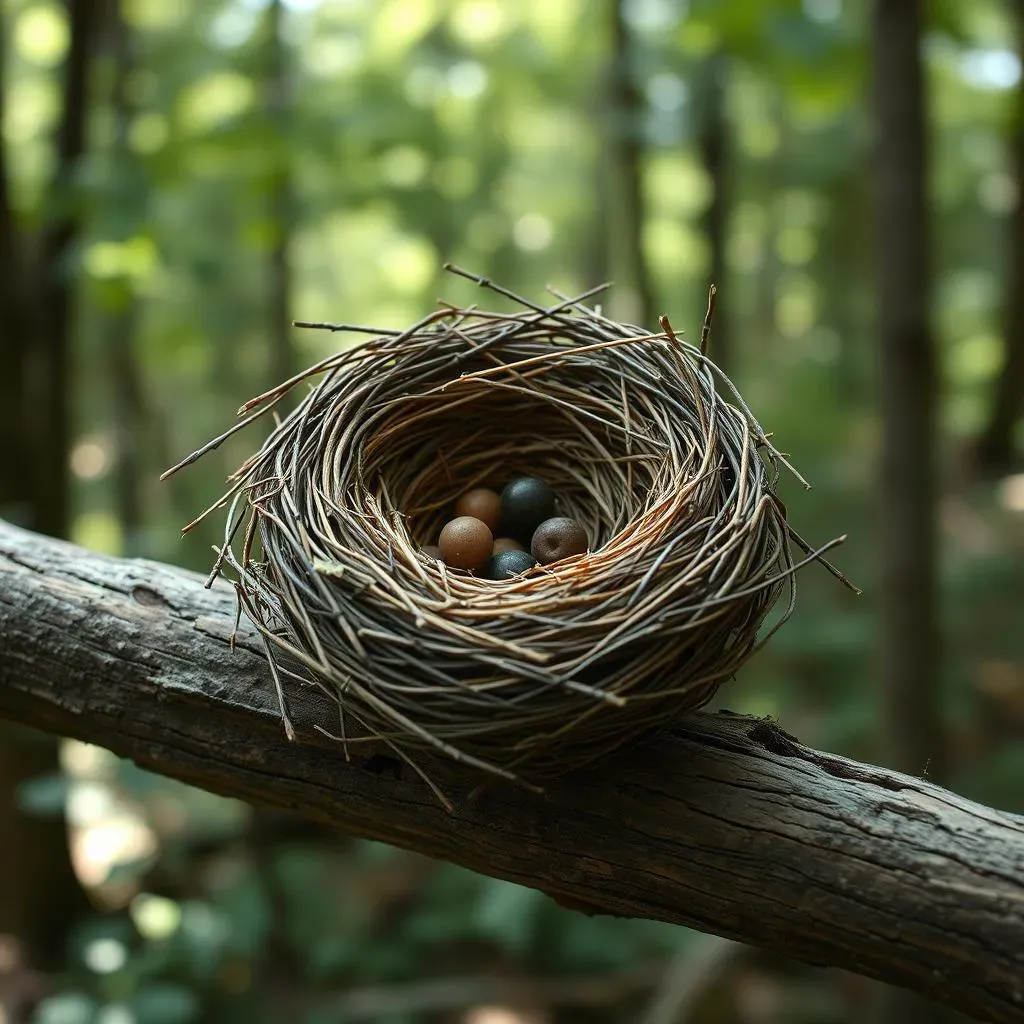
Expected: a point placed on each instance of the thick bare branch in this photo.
(725, 823)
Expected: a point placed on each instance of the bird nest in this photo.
(645, 443)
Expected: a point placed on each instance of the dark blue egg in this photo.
(506, 564)
(525, 503)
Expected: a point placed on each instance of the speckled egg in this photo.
(506, 564)
(466, 543)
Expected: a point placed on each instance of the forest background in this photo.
(179, 179)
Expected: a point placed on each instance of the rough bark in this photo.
(909, 642)
(725, 823)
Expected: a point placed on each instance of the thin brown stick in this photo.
(705, 331)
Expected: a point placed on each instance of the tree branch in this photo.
(726, 824)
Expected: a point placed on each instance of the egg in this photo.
(466, 543)
(431, 551)
(506, 564)
(525, 503)
(481, 503)
(558, 538)
(506, 544)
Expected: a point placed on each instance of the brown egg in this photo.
(481, 503)
(558, 538)
(506, 544)
(431, 551)
(466, 543)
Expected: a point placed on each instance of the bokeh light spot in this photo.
(104, 956)
(533, 232)
(41, 35)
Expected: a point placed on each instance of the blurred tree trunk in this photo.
(713, 144)
(139, 423)
(279, 104)
(54, 350)
(626, 200)
(279, 967)
(130, 414)
(18, 328)
(995, 449)
(595, 255)
(40, 898)
(909, 634)
(848, 257)
(766, 180)
(908, 386)
(39, 895)
(131, 428)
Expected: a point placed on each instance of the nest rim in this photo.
(528, 678)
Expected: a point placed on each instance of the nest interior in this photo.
(643, 441)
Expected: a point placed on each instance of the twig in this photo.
(705, 331)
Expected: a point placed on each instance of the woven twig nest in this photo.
(528, 677)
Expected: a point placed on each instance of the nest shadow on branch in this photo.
(528, 677)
